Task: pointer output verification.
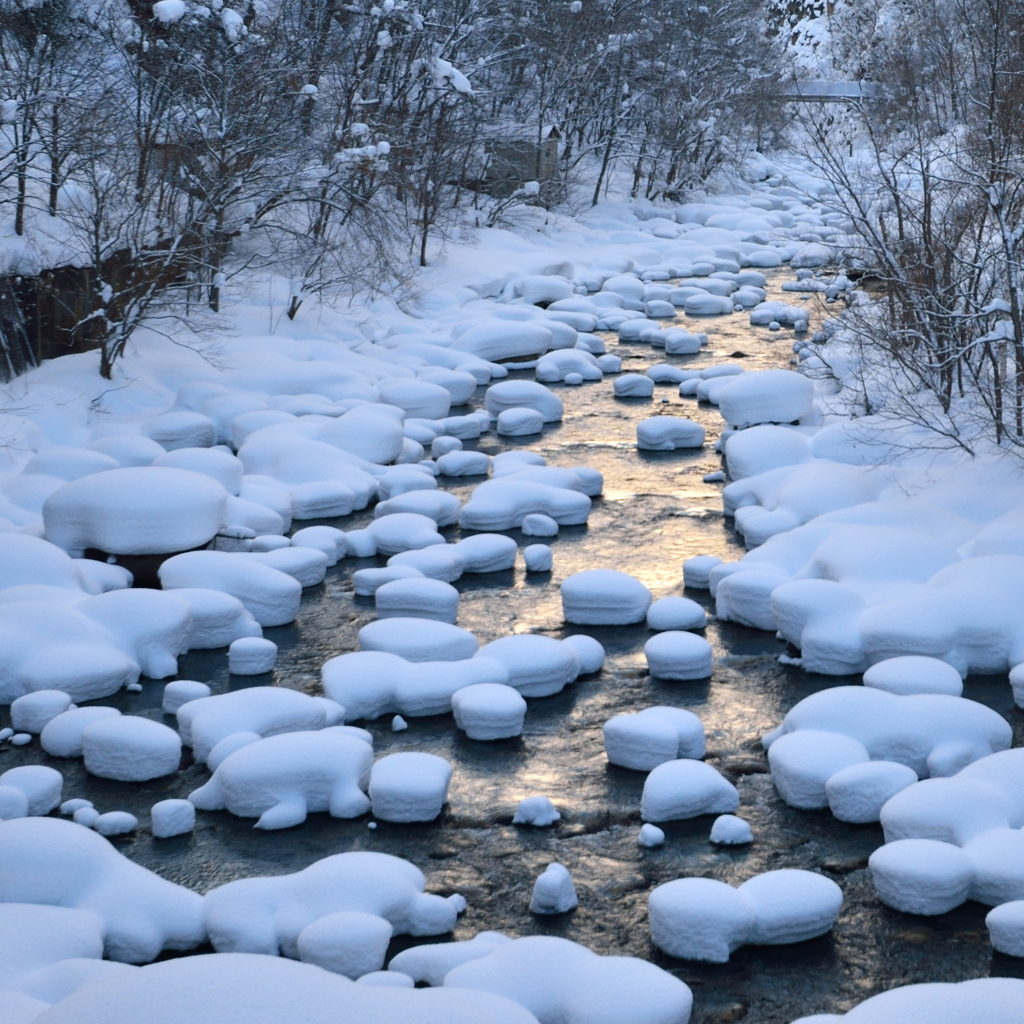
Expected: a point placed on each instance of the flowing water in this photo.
(656, 511)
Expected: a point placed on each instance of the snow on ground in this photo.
(188, 471)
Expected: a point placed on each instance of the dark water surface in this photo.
(655, 512)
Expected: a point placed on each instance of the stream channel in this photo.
(656, 511)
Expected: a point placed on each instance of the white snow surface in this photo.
(56, 862)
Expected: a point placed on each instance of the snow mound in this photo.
(503, 503)
(130, 749)
(538, 558)
(272, 597)
(766, 396)
(281, 779)
(667, 433)
(1006, 928)
(633, 385)
(40, 788)
(32, 712)
(258, 710)
(653, 736)
(349, 942)
(172, 818)
(932, 734)
(410, 786)
(677, 790)
(267, 914)
(676, 613)
(374, 683)
(243, 988)
(489, 711)
(992, 1000)
(604, 597)
(701, 919)
(553, 891)
(537, 666)
(966, 830)
(538, 811)
(914, 674)
(728, 830)
(49, 860)
(486, 552)
(394, 533)
(523, 394)
(432, 961)
(678, 655)
(418, 598)
(558, 980)
(62, 735)
(251, 656)
(418, 639)
(136, 511)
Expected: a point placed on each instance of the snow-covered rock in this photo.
(914, 674)
(374, 683)
(1006, 928)
(251, 656)
(992, 1000)
(538, 811)
(653, 736)
(136, 511)
(932, 734)
(281, 779)
(604, 597)
(676, 613)
(504, 502)
(272, 597)
(130, 748)
(701, 919)
(667, 433)
(766, 396)
(523, 394)
(409, 786)
(558, 980)
(633, 385)
(728, 830)
(34, 711)
(489, 711)
(538, 558)
(181, 691)
(418, 639)
(39, 785)
(211, 989)
(678, 655)
(62, 735)
(676, 790)
(259, 710)
(349, 942)
(537, 666)
(50, 860)
(418, 598)
(553, 891)
(172, 818)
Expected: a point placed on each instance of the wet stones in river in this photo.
(703, 919)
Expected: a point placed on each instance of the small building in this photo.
(511, 163)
